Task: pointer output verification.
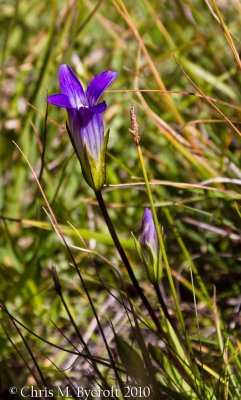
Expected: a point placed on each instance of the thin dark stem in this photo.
(146, 357)
(21, 356)
(59, 291)
(163, 305)
(30, 352)
(126, 261)
(102, 361)
(165, 310)
(84, 345)
(88, 352)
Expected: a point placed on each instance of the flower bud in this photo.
(147, 245)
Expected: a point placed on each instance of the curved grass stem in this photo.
(163, 254)
(126, 261)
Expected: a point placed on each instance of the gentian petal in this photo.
(93, 131)
(87, 127)
(98, 85)
(59, 100)
(99, 108)
(148, 231)
(71, 86)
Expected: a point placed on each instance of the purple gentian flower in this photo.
(86, 128)
(147, 246)
(148, 236)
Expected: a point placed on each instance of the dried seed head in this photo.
(134, 126)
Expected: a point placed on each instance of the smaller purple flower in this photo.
(148, 235)
(86, 127)
(147, 246)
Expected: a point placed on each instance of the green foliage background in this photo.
(185, 141)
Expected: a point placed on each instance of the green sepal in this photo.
(138, 248)
(152, 263)
(149, 260)
(103, 156)
(95, 171)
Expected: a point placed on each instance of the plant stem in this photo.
(163, 254)
(160, 239)
(126, 261)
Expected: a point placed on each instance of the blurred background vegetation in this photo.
(191, 143)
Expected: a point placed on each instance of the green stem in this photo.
(126, 261)
(165, 259)
(161, 241)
